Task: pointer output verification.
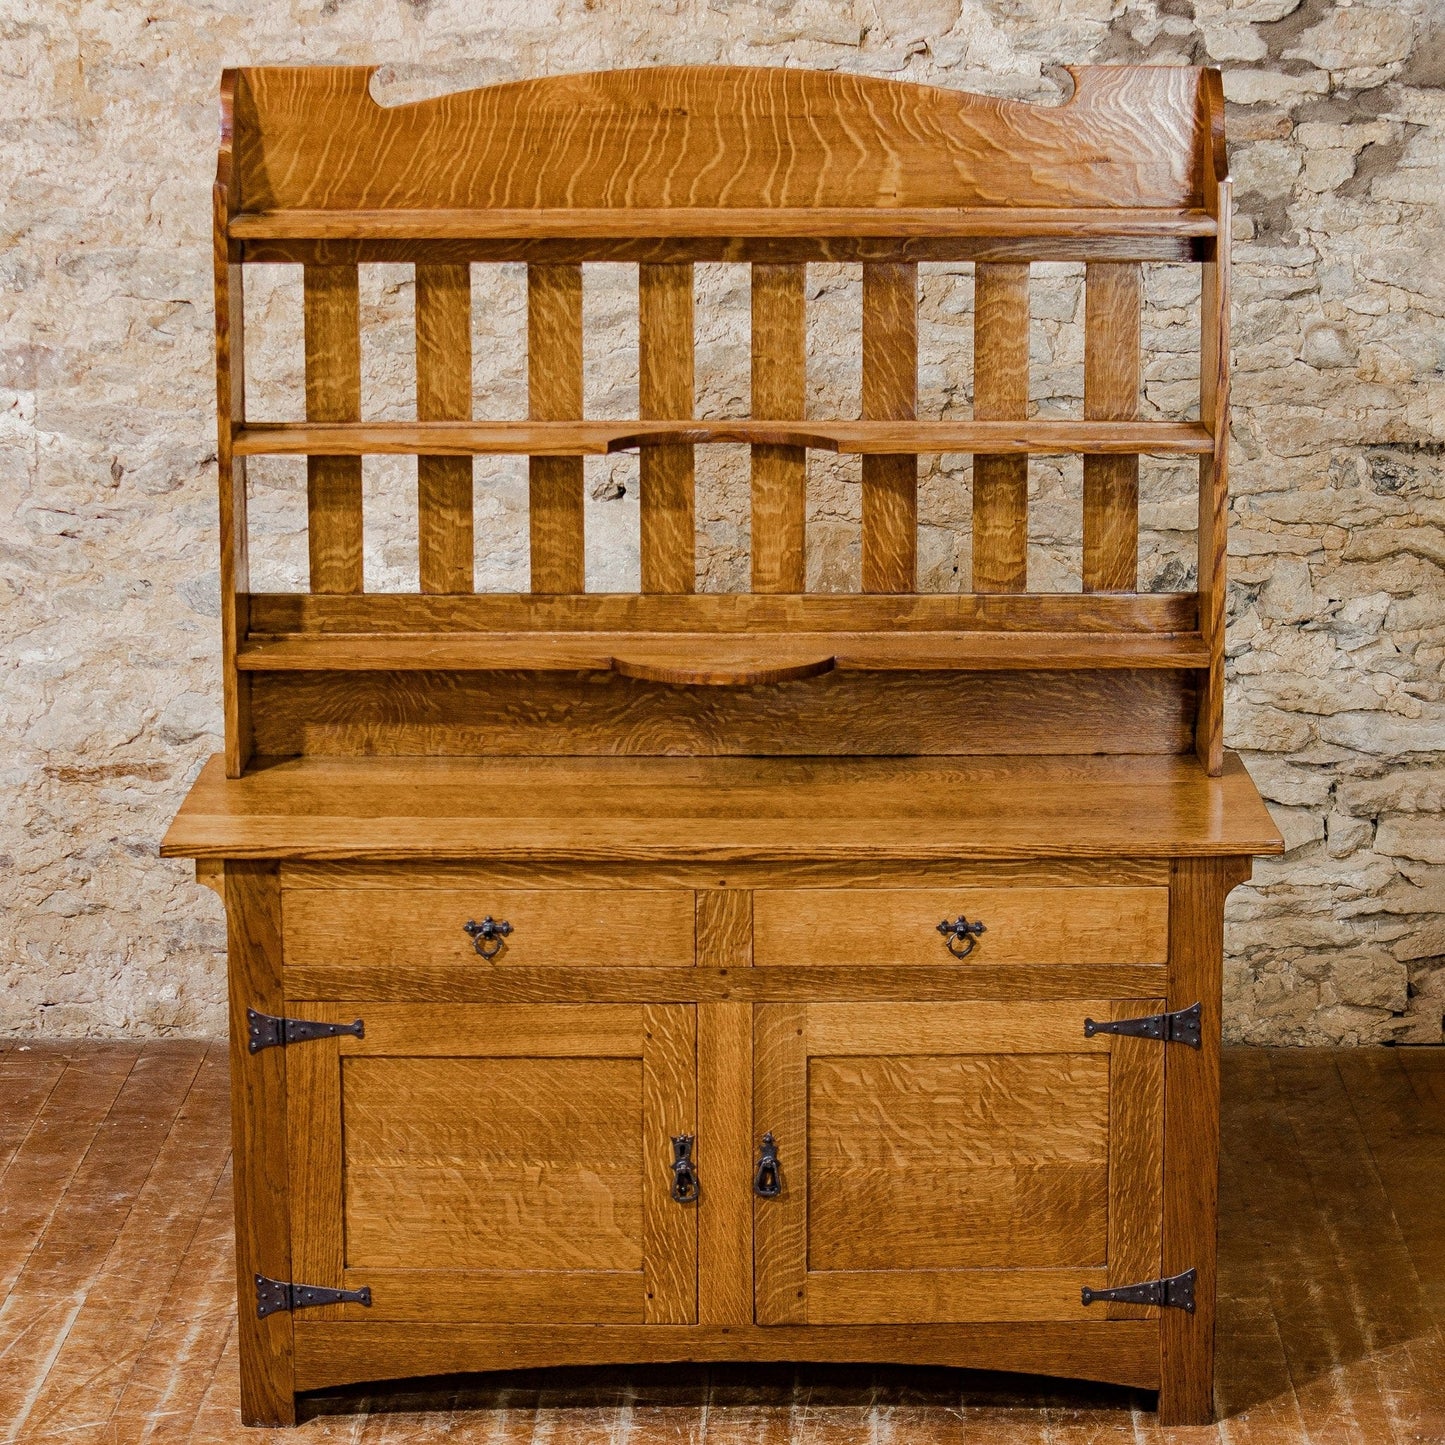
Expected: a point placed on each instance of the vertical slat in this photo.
(669, 1108)
(724, 928)
(1214, 488)
(333, 393)
(780, 1107)
(665, 393)
(780, 475)
(1000, 393)
(890, 393)
(1111, 393)
(313, 1132)
(554, 389)
(235, 580)
(724, 1143)
(1136, 1151)
(258, 1142)
(444, 393)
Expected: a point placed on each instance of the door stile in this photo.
(313, 1133)
(780, 1108)
(669, 1111)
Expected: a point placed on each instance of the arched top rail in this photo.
(716, 138)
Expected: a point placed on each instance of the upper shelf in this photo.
(784, 223)
(594, 438)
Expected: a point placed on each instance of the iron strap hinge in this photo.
(275, 1295)
(1180, 1027)
(1174, 1293)
(268, 1032)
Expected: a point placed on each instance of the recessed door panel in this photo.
(955, 1162)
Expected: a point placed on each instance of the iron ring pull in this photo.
(768, 1178)
(960, 931)
(489, 936)
(684, 1171)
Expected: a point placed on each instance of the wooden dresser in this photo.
(673, 976)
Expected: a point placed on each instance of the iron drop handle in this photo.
(768, 1179)
(960, 931)
(684, 1171)
(489, 936)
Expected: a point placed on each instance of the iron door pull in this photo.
(768, 1179)
(489, 936)
(684, 1171)
(960, 931)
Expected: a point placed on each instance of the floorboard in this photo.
(116, 1287)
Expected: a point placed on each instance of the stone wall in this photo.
(109, 624)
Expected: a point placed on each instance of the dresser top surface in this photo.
(723, 809)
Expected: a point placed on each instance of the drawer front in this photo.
(816, 926)
(589, 928)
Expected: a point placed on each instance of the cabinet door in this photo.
(495, 1163)
(955, 1161)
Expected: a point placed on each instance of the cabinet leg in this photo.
(258, 1143)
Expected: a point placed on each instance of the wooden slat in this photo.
(598, 438)
(724, 928)
(274, 614)
(444, 393)
(779, 387)
(665, 390)
(1111, 393)
(724, 1115)
(314, 1143)
(890, 393)
(333, 393)
(554, 389)
(669, 1110)
(780, 1107)
(1000, 392)
(726, 222)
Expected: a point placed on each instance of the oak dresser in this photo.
(667, 975)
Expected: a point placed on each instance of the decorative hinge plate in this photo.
(1180, 1027)
(268, 1032)
(1175, 1293)
(275, 1295)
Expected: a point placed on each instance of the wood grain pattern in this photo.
(724, 928)
(858, 812)
(333, 394)
(1136, 1152)
(779, 392)
(665, 391)
(588, 928)
(803, 927)
(780, 1224)
(463, 983)
(890, 393)
(277, 613)
(316, 1161)
(651, 138)
(493, 1164)
(554, 391)
(1000, 392)
(258, 1105)
(497, 1296)
(444, 393)
(669, 1111)
(1111, 393)
(725, 1144)
(840, 1297)
(1031, 713)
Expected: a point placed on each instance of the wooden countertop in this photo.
(723, 809)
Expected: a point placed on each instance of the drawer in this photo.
(813, 926)
(562, 927)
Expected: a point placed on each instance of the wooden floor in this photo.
(115, 1276)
